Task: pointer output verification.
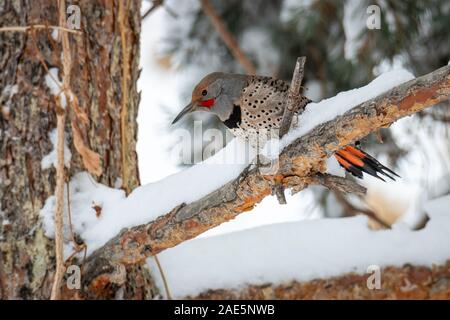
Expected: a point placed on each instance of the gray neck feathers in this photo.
(231, 89)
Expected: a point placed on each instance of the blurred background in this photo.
(179, 46)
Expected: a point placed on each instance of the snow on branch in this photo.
(294, 256)
(302, 159)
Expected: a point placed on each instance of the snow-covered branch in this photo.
(303, 157)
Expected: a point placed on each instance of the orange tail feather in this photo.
(356, 161)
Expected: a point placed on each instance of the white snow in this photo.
(51, 158)
(145, 203)
(301, 251)
(299, 207)
(55, 84)
(334, 168)
(328, 109)
(55, 34)
(439, 206)
(256, 42)
(10, 90)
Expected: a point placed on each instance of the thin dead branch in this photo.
(59, 206)
(291, 103)
(293, 96)
(60, 171)
(38, 26)
(335, 183)
(156, 4)
(352, 210)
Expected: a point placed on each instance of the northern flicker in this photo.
(251, 106)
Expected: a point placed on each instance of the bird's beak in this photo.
(187, 109)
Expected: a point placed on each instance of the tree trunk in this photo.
(28, 115)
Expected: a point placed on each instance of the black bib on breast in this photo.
(235, 118)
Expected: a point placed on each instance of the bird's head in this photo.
(215, 93)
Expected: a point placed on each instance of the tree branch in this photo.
(299, 161)
(292, 101)
(293, 96)
(338, 184)
(351, 210)
(60, 174)
(227, 37)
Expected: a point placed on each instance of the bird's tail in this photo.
(356, 161)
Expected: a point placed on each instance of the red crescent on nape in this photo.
(207, 103)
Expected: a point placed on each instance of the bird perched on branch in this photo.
(253, 106)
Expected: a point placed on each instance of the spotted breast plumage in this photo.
(252, 108)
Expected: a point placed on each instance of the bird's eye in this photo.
(204, 93)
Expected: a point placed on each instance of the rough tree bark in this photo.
(28, 116)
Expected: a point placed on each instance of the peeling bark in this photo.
(28, 115)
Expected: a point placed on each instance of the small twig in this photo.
(78, 249)
(156, 4)
(41, 59)
(124, 102)
(291, 104)
(60, 173)
(350, 209)
(163, 277)
(170, 11)
(38, 26)
(59, 193)
(227, 37)
(69, 211)
(340, 184)
(329, 181)
(293, 96)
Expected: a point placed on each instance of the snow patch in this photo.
(10, 90)
(301, 251)
(52, 81)
(334, 168)
(55, 84)
(55, 34)
(51, 158)
(100, 212)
